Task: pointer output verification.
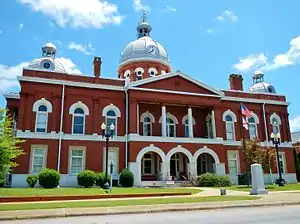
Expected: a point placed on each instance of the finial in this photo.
(144, 15)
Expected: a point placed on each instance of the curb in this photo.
(115, 210)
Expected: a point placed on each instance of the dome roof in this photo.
(48, 64)
(144, 48)
(262, 87)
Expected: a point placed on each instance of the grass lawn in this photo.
(287, 187)
(114, 203)
(25, 192)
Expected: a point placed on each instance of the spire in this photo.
(143, 28)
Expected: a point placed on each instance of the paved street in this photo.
(274, 215)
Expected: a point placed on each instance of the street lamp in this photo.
(276, 141)
(107, 135)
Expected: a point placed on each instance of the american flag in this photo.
(245, 111)
(245, 124)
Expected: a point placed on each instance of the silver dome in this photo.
(259, 85)
(47, 64)
(142, 48)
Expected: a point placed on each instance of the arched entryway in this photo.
(179, 166)
(151, 166)
(205, 164)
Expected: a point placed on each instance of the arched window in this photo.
(41, 119)
(171, 127)
(111, 118)
(78, 121)
(229, 126)
(186, 128)
(275, 122)
(147, 126)
(252, 128)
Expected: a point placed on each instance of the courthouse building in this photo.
(168, 125)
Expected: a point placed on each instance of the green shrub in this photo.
(297, 164)
(126, 178)
(32, 180)
(100, 179)
(86, 178)
(212, 180)
(49, 178)
(2, 180)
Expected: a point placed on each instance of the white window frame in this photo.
(73, 118)
(283, 160)
(72, 109)
(35, 108)
(237, 161)
(254, 124)
(278, 121)
(111, 149)
(72, 148)
(152, 163)
(117, 112)
(233, 117)
(185, 122)
(152, 120)
(231, 123)
(38, 113)
(169, 125)
(145, 126)
(36, 147)
(116, 122)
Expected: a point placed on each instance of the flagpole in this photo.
(243, 141)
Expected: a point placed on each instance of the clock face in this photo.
(152, 50)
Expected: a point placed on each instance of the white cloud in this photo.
(295, 124)
(209, 30)
(250, 62)
(8, 74)
(290, 57)
(227, 15)
(21, 26)
(169, 8)
(85, 49)
(77, 14)
(138, 6)
(1, 32)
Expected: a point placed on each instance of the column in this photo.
(163, 121)
(213, 123)
(135, 168)
(165, 171)
(192, 169)
(190, 121)
(220, 169)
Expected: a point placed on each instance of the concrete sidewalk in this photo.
(266, 200)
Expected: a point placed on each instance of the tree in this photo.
(9, 143)
(255, 153)
(297, 164)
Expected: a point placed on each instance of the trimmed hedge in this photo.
(126, 178)
(49, 178)
(100, 179)
(212, 180)
(32, 180)
(86, 178)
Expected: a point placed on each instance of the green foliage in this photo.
(212, 180)
(49, 178)
(2, 180)
(86, 178)
(100, 179)
(9, 143)
(32, 180)
(126, 178)
(297, 164)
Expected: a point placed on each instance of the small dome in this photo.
(144, 48)
(49, 45)
(48, 64)
(262, 87)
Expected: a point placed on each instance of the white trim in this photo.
(277, 117)
(34, 147)
(230, 113)
(139, 69)
(208, 151)
(169, 75)
(169, 115)
(150, 148)
(180, 150)
(41, 102)
(127, 73)
(256, 119)
(81, 105)
(70, 83)
(147, 114)
(185, 117)
(71, 148)
(152, 70)
(111, 107)
(12, 96)
(253, 100)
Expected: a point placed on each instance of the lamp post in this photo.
(107, 135)
(276, 141)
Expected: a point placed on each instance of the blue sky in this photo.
(207, 40)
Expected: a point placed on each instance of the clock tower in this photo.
(143, 57)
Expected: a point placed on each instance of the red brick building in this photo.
(167, 124)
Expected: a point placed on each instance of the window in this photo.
(147, 163)
(229, 127)
(113, 158)
(171, 127)
(77, 161)
(147, 126)
(209, 126)
(233, 167)
(252, 128)
(275, 126)
(186, 128)
(282, 162)
(38, 159)
(41, 119)
(78, 121)
(111, 118)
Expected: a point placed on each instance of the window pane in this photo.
(38, 160)
(228, 118)
(186, 130)
(232, 156)
(42, 108)
(78, 125)
(229, 131)
(111, 113)
(41, 122)
(147, 129)
(76, 161)
(110, 121)
(251, 120)
(275, 129)
(79, 111)
(252, 131)
(147, 119)
(77, 152)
